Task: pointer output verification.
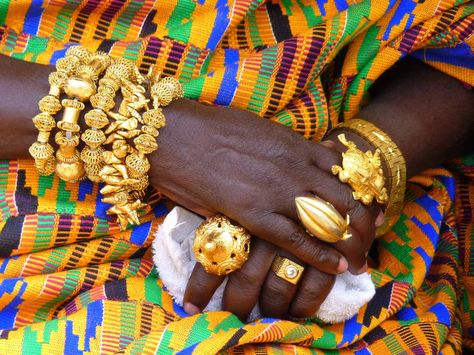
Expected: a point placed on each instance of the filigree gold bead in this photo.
(64, 140)
(41, 151)
(72, 109)
(100, 60)
(81, 53)
(93, 138)
(155, 118)
(70, 172)
(145, 143)
(44, 122)
(162, 94)
(120, 70)
(49, 104)
(141, 185)
(86, 71)
(92, 156)
(96, 118)
(92, 172)
(65, 158)
(80, 88)
(73, 104)
(138, 164)
(150, 130)
(57, 78)
(106, 90)
(174, 86)
(110, 82)
(102, 101)
(67, 65)
(46, 167)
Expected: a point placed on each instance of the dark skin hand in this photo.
(225, 160)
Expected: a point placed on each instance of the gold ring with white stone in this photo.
(287, 270)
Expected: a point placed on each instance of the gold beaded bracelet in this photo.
(116, 143)
(392, 159)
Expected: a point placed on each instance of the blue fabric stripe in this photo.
(229, 82)
(405, 9)
(461, 55)
(220, 25)
(442, 313)
(33, 17)
(95, 312)
(140, 233)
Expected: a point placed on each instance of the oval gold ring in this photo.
(322, 220)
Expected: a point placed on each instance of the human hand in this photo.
(218, 160)
(256, 282)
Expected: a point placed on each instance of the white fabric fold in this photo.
(174, 258)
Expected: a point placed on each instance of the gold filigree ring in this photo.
(287, 270)
(221, 246)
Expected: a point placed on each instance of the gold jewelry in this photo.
(287, 270)
(322, 220)
(394, 162)
(221, 246)
(363, 172)
(116, 149)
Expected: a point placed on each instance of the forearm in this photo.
(22, 85)
(429, 115)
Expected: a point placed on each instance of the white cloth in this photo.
(173, 256)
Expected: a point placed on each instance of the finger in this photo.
(313, 289)
(244, 285)
(277, 293)
(324, 155)
(200, 289)
(380, 219)
(355, 251)
(289, 236)
(328, 144)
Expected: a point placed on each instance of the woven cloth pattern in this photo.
(72, 283)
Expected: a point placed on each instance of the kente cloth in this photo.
(72, 283)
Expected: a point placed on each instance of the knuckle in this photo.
(246, 279)
(322, 255)
(296, 239)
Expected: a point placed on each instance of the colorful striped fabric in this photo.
(72, 283)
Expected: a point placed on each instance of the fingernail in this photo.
(380, 219)
(191, 309)
(343, 265)
(363, 269)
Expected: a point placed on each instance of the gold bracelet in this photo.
(394, 163)
(116, 143)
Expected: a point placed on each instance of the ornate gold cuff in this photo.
(116, 142)
(392, 159)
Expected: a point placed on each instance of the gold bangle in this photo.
(393, 161)
(116, 143)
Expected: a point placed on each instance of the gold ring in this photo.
(322, 220)
(221, 246)
(363, 172)
(287, 270)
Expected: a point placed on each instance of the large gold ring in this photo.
(363, 172)
(322, 220)
(287, 270)
(221, 246)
